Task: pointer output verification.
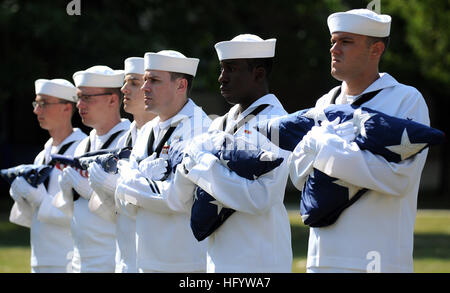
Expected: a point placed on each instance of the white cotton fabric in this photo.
(94, 237)
(245, 46)
(134, 65)
(99, 76)
(360, 21)
(126, 216)
(50, 235)
(171, 61)
(59, 88)
(382, 220)
(257, 237)
(164, 238)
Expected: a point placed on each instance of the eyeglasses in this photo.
(44, 104)
(88, 98)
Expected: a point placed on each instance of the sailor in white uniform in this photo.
(376, 233)
(257, 236)
(165, 242)
(50, 236)
(104, 184)
(98, 105)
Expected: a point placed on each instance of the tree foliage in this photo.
(40, 40)
(426, 33)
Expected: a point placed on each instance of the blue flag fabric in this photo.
(207, 214)
(393, 138)
(33, 174)
(106, 158)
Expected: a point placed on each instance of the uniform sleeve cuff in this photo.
(206, 161)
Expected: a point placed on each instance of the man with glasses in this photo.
(50, 236)
(104, 184)
(99, 101)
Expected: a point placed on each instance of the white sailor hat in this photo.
(99, 76)
(134, 65)
(58, 88)
(245, 46)
(171, 61)
(361, 22)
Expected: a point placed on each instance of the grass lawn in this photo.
(15, 249)
(431, 244)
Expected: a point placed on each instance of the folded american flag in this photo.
(393, 138)
(33, 174)
(106, 158)
(207, 214)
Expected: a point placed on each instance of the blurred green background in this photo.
(431, 243)
(40, 40)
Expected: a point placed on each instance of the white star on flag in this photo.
(218, 204)
(352, 189)
(359, 119)
(405, 149)
(316, 114)
(267, 156)
(223, 161)
(195, 196)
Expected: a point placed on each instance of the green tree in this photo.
(424, 57)
(39, 40)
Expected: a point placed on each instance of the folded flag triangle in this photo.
(106, 158)
(33, 174)
(393, 138)
(244, 159)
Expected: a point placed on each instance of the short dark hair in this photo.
(384, 40)
(118, 92)
(266, 63)
(189, 78)
(74, 105)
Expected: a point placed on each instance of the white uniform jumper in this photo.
(165, 242)
(50, 236)
(379, 227)
(257, 237)
(94, 237)
(126, 214)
